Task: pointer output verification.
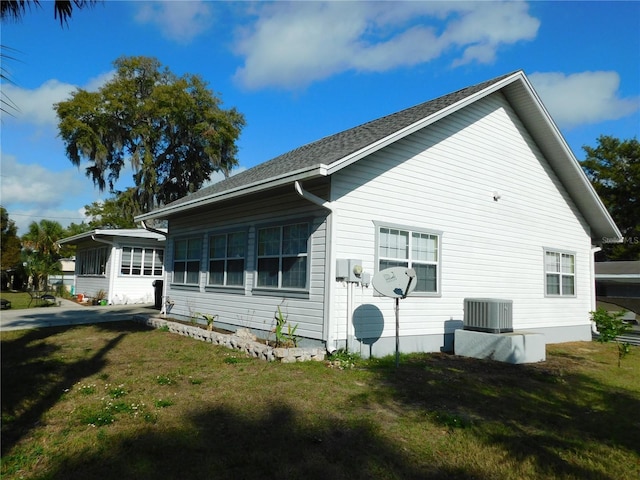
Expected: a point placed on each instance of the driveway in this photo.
(69, 313)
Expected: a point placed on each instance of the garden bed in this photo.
(242, 340)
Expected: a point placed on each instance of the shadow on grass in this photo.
(43, 376)
(537, 412)
(221, 444)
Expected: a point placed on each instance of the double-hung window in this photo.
(560, 273)
(282, 256)
(147, 262)
(227, 259)
(398, 247)
(186, 261)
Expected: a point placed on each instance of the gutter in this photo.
(329, 334)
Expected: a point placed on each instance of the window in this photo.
(226, 259)
(413, 249)
(186, 261)
(560, 273)
(92, 261)
(147, 262)
(282, 256)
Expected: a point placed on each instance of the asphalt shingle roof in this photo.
(330, 149)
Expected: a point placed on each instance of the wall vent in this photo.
(490, 315)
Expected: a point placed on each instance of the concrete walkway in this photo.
(69, 313)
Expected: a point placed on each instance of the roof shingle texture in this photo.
(335, 147)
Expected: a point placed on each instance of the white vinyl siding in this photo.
(147, 262)
(186, 261)
(227, 254)
(560, 273)
(444, 177)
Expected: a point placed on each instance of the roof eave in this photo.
(318, 170)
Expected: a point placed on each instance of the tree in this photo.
(15, 10)
(10, 247)
(170, 129)
(115, 212)
(42, 250)
(613, 167)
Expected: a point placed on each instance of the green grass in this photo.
(113, 401)
(18, 300)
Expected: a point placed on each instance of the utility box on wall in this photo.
(349, 270)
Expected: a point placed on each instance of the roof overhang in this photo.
(111, 234)
(256, 187)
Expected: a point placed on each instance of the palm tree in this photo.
(15, 10)
(42, 249)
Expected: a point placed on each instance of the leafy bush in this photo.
(610, 326)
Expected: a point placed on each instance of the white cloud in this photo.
(180, 21)
(31, 192)
(290, 45)
(36, 106)
(583, 98)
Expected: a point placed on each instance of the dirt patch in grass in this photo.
(114, 401)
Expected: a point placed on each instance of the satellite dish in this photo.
(394, 282)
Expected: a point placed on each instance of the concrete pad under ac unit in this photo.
(515, 347)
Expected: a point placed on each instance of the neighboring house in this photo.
(476, 190)
(66, 277)
(618, 283)
(123, 263)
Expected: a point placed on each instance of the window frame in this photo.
(410, 261)
(281, 256)
(146, 252)
(91, 257)
(559, 272)
(187, 260)
(227, 258)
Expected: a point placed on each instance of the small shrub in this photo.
(344, 360)
(610, 326)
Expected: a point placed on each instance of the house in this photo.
(477, 191)
(66, 277)
(121, 263)
(618, 285)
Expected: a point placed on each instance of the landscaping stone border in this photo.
(243, 340)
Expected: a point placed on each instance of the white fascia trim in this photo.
(394, 137)
(285, 179)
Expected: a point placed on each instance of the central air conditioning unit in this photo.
(490, 315)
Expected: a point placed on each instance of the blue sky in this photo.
(300, 71)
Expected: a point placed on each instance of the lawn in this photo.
(119, 401)
(17, 299)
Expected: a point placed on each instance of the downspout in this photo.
(329, 333)
(165, 297)
(592, 273)
(112, 269)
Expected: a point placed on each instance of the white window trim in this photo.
(437, 233)
(280, 256)
(186, 260)
(147, 252)
(560, 274)
(226, 258)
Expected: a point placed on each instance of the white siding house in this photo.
(476, 190)
(123, 263)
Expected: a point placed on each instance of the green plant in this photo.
(610, 326)
(343, 360)
(209, 319)
(284, 338)
(100, 295)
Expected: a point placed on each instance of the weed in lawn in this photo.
(115, 392)
(87, 389)
(163, 403)
(164, 380)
